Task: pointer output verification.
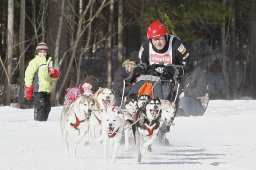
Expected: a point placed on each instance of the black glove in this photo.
(138, 70)
(168, 72)
(180, 71)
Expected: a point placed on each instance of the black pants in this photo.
(42, 104)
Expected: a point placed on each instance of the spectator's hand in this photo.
(54, 73)
(28, 93)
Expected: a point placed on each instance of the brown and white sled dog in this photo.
(74, 122)
(112, 129)
(148, 123)
(104, 98)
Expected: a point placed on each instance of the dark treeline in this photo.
(94, 37)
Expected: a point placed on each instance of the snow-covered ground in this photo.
(224, 138)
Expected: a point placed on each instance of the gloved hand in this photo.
(181, 71)
(29, 93)
(168, 72)
(54, 73)
(138, 70)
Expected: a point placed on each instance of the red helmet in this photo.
(156, 29)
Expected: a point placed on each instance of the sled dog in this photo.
(148, 123)
(167, 114)
(74, 122)
(112, 128)
(104, 98)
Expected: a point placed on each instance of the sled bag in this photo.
(144, 86)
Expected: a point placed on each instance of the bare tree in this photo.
(223, 58)
(57, 47)
(7, 95)
(109, 44)
(251, 59)
(82, 26)
(22, 50)
(120, 30)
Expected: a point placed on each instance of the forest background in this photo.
(96, 36)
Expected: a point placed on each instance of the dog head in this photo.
(167, 111)
(153, 109)
(131, 102)
(86, 105)
(113, 121)
(143, 100)
(104, 97)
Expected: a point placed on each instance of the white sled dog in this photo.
(148, 123)
(167, 114)
(74, 122)
(104, 98)
(112, 129)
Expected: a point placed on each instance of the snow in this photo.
(224, 139)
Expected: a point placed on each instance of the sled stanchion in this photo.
(177, 91)
(122, 94)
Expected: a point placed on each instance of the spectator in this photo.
(88, 86)
(122, 73)
(39, 75)
(193, 99)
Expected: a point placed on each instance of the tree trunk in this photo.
(223, 59)
(251, 60)
(22, 52)
(109, 44)
(34, 20)
(56, 50)
(7, 93)
(120, 31)
(232, 58)
(78, 72)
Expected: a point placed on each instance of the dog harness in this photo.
(150, 129)
(75, 125)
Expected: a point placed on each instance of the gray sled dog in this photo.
(147, 124)
(74, 122)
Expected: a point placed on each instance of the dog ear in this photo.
(158, 99)
(148, 99)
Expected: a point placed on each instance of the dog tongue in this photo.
(154, 112)
(111, 133)
(106, 102)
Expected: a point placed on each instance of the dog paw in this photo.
(149, 148)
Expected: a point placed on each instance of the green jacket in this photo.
(36, 74)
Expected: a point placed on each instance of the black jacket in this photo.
(179, 58)
(194, 83)
(119, 76)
